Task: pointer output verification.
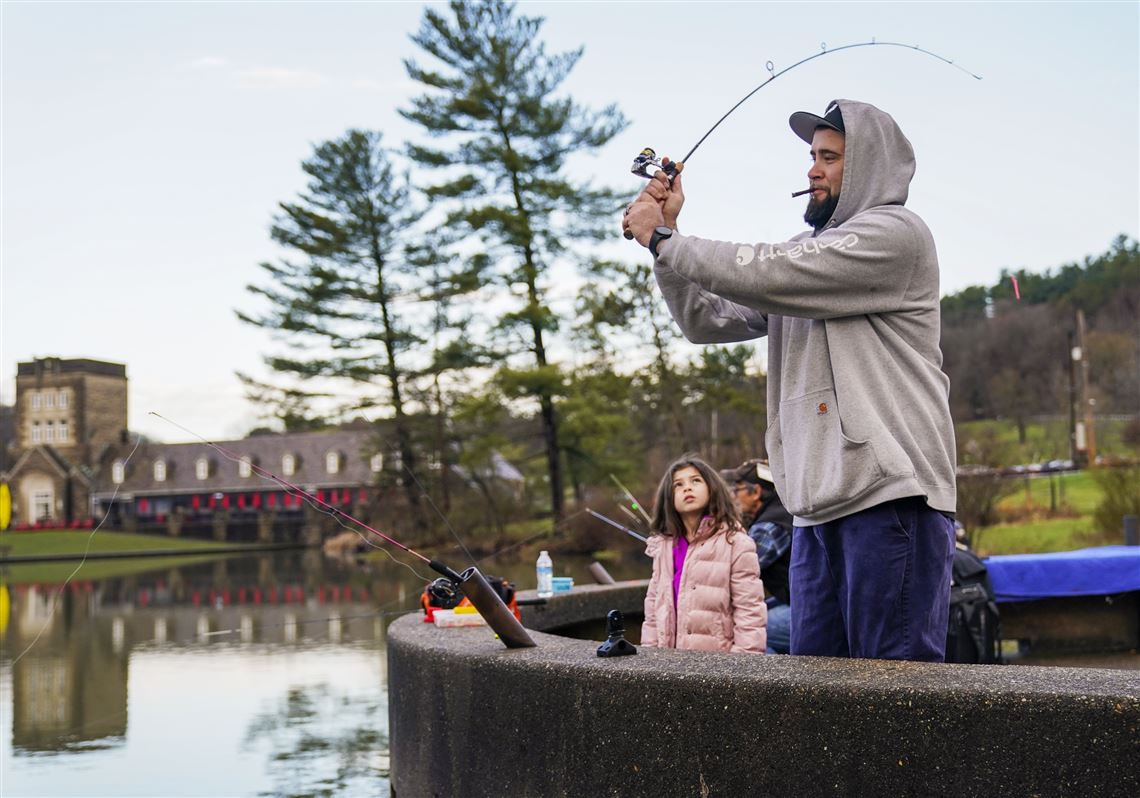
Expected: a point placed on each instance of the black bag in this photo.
(974, 633)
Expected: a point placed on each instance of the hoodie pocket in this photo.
(822, 467)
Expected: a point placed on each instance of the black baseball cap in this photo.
(804, 124)
(753, 472)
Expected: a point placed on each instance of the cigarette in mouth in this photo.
(801, 193)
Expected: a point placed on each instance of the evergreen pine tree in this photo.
(505, 137)
(334, 306)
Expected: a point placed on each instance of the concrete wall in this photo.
(469, 717)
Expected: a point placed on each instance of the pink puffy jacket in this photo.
(720, 602)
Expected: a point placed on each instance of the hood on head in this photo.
(878, 161)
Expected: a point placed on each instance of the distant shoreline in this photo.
(240, 548)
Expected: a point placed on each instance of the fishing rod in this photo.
(629, 512)
(616, 525)
(470, 581)
(631, 498)
(647, 159)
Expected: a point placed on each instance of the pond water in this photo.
(241, 676)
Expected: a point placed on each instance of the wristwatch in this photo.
(659, 235)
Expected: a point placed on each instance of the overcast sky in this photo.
(145, 147)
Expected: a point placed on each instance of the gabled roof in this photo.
(354, 447)
(52, 459)
(501, 468)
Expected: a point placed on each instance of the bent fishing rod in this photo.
(647, 159)
(471, 581)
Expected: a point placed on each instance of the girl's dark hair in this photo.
(667, 521)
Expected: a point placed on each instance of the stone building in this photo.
(68, 415)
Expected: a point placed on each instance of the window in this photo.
(49, 433)
(377, 463)
(245, 467)
(61, 432)
(289, 464)
(49, 399)
(202, 468)
(63, 399)
(37, 433)
(35, 400)
(118, 472)
(160, 471)
(332, 462)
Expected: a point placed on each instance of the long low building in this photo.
(75, 463)
(194, 483)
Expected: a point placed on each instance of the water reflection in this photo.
(237, 676)
(245, 676)
(324, 742)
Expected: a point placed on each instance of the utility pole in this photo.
(1086, 399)
(1074, 356)
(713, 430)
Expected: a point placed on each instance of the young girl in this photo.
(705, 592)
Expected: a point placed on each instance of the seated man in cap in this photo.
(770, 526)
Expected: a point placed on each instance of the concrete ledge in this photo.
(469, 717)
(586, 603)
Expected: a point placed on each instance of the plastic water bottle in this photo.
(545, 569)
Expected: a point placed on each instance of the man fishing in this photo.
(859, 435)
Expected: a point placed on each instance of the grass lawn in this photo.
(1057, 534)
(1047, 440)
(52, 542)
(1077, 490)
(56, 573)
(1031, 526)
(74, 541)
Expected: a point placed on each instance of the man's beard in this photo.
(818, 213)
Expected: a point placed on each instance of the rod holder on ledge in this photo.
(493, 610)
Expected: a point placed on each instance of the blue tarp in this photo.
(1100, 571)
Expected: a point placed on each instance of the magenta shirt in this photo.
(680, 549)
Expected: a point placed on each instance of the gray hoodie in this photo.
(858, 410)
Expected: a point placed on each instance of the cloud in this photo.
(399, 87)
(208, 62)
(280, 78)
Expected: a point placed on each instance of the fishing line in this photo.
(381, 614)
(427, 496)
(435, 565)
(532, 538)
(647, 158)
(55, 598)
(823, 51)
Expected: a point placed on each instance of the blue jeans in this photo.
(779, 627)
(874, 584)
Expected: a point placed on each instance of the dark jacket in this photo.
(775, 573)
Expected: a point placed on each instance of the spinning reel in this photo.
(648, 159)
(443, 593)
